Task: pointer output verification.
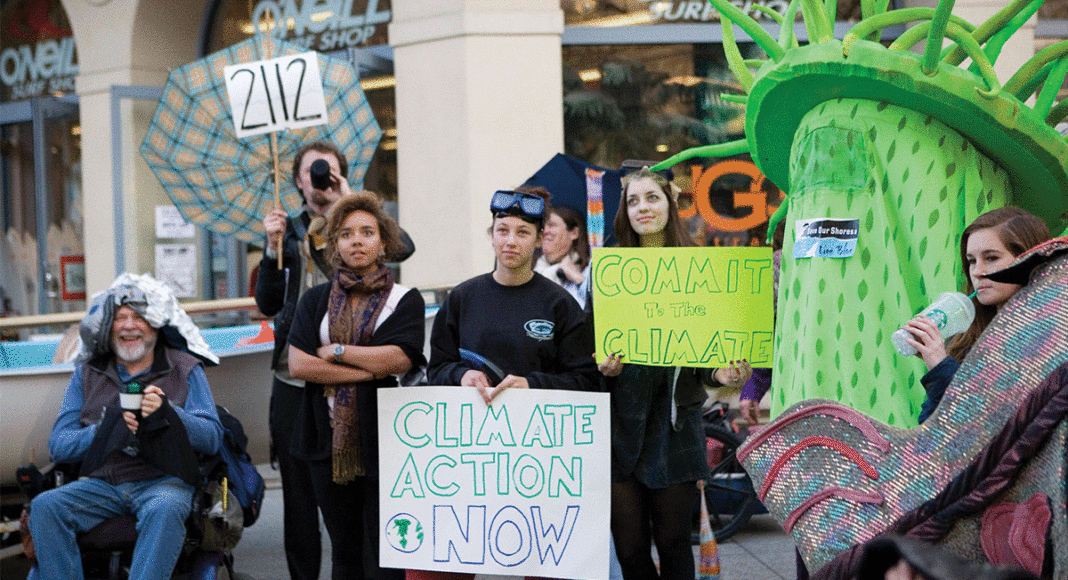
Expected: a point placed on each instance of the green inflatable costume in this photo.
(912, 148)
(913, 184)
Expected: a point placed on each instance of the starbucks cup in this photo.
(952, 313)
(130, 397)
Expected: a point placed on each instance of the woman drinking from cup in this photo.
(989, 244)
(349, 338)
(658, 444)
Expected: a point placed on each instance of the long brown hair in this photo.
(675, 235)
(1019, 231)
(366, 201)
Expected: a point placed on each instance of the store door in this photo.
(41, 247)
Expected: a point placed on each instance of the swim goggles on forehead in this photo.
(517, 203)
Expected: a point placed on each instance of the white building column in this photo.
(120, 43)
(479, 108)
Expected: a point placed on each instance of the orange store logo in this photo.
(756, 198)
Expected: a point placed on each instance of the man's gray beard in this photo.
(128, 355)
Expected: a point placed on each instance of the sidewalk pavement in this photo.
(760, 551)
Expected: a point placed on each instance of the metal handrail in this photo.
(73, 317)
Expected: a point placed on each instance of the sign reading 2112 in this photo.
(280, 93)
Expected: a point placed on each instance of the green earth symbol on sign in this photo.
(404, 533)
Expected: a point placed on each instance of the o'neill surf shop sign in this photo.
(324, 25)
(37, 55)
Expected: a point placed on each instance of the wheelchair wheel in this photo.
(729, 493)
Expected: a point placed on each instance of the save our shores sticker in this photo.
(825, 238)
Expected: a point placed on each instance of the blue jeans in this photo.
(615, 571)
(161, 507)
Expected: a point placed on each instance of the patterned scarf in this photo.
(355, 303)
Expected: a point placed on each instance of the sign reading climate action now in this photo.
(694, 307)
(518, 488)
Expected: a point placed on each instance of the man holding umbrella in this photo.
(278, 291)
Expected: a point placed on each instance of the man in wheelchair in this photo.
(137, 457)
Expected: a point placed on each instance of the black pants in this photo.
(300, 512)
(350, 513)
(641, 516)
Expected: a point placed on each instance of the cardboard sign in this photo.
(518, 488)
(693, 307)
(270, 95)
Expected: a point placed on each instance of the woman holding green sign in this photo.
(658, 445)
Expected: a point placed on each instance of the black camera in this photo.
(320, 174)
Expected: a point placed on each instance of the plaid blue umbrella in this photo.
(224, 183)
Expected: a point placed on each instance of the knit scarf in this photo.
(355, 303)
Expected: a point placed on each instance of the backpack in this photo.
(244, 481)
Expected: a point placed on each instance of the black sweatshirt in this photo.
(535, 330)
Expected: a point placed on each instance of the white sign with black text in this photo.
(171, 224)
(280, 93)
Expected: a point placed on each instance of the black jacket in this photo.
(161, 442)
(278, 291)
(404, 328)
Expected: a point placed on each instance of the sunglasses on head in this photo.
(632, 165)
(517, 203)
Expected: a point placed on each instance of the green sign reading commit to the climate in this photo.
(695, 307)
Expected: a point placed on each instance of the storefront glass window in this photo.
(41, 251)
(37, 53)
(636, 12)
(651, 101)
(60, 287)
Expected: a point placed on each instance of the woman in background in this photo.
(565, 252)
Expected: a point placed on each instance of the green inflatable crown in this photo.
(994, 117)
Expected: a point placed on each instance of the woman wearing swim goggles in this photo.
(525, 324)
